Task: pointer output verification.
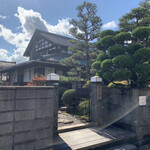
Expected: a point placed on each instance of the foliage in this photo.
(107, 41)
(1, 83)
(70, 79)
(61, 91)
(119, 83)
(37, 81)
(128, 60)
(116, 50)
(123, 61)
(142, 55)
(106, 64)
(96, 65)
(68, 97)
(137, 17)
(107, 76)
(121, 74)
(133, 47)
(85, 29)
(102, 56)
(120, 38)
(142, 33)
(84, 107)
(106, 32)
(87, 84)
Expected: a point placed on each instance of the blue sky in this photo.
(19, 18)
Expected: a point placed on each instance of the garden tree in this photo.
(37, 81)
(74, 74)
(124, 56)
(137, 17)
(85, 30)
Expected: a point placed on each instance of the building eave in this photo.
(31, 63)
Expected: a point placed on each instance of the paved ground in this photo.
(65, 119)
(90, 138)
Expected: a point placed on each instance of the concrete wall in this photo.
(28, 117)
(121, 106)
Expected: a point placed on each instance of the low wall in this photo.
(28, 117)
(122, 106)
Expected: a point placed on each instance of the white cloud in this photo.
(18, 55)
(110, 25)
(17, 39)
(3, 17)
(4, 54)
(61, 28)
(30, 20)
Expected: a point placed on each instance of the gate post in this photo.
(96, 98)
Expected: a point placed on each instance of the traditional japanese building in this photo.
(45, 51)
(4, 64)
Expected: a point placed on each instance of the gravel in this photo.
(65, 119)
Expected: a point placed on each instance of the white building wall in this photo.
(26, 77)
(49, 70)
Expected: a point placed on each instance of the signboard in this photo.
(142, 100)
(99, 92)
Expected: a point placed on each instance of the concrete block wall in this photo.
(28, 117)
(121, 106)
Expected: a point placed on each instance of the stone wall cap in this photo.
(96, 79)
(26, 87)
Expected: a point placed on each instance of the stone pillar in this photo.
(96, 100)
(53, 80)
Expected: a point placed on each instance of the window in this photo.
(49, 70)
(42, 44)
(26, 77)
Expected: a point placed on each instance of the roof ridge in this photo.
(47, 32)
(7, 61)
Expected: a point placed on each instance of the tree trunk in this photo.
(87, 65)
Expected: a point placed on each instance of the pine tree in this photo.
(137, 17)
(85, 30)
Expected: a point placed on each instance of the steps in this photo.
(93, 138)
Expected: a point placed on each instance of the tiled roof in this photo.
(55, 38)
(6, 64)
(30, 63)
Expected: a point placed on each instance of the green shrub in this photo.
(107, 41)
(122, 37)
(142, 69)
(121, 74)
(68, 97)
(87, 84)
(149, 39)
(116, 50)
(61, 91)
(118, 84)
(1, 83)
(107, 76)
(84, 107)
(123, 61)
(106, 65)
(106, 32)
(143, 72)
(141, 33)
(96, 65)
(131, 49)
(142, 55)
(70, 79)
(99, 73)
(98, 45)
(102, 56)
